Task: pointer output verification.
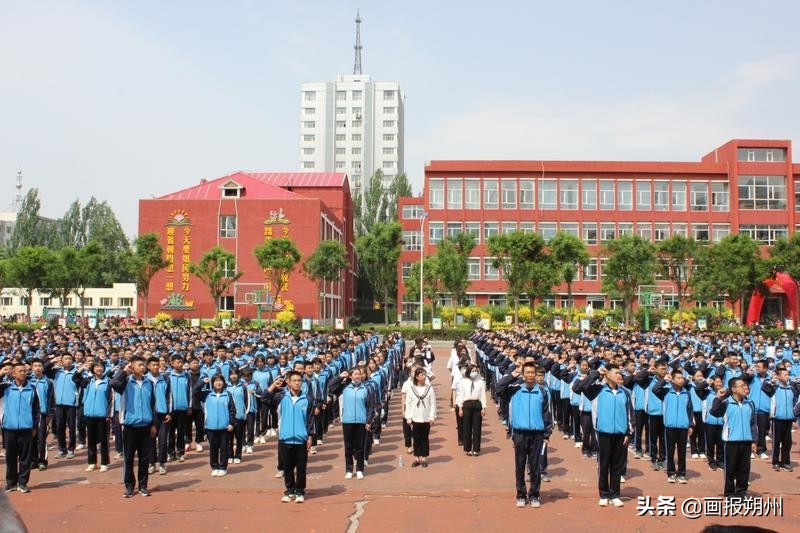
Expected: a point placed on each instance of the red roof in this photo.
(575, 166)
(252, 189)
(300, 179)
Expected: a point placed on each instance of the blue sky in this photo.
(123, 100)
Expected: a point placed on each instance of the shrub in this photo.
(524, 314)
(285, 317)
(161, 318)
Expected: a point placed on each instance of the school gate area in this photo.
(457, 493)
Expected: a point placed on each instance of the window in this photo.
(527, 227)
(229, 269)
(679, 228)
(661, 196)
(308, 111)
(307, 151)
(473, 268)
(470, 300)
(412, 212)
(388, 95)
(340, 164)
(341, 110)
(590, 270)
(761, 155)
(356, 124)
(549, 301)
(508, 227)
(526, 194)
(489, 229)
(625, 228)
(388, 110)
(356, 110)
(624, 196)
(341, 151)
(608, 231)
(24, 300)
(454, 228)
(412, 241)
(435, 232)
(547, 194)
(699, 198)
(490, 273)
(720, 231)
(509, 191)
(606, 195)
(589, 194)
(308, 164)
(309, 96)
(660, 231)
(700, 231)
(388, 137)
(309, 138)
(490, 194)
(87, 302)
(125, 302)
(570, 227)
(388, 123)
(765, 233)
(356, 137)
(227, 226)
(762, 192)
(472, 194)
(388, 151)
(719, 196)
(309, 124)
(475, 229)
(106, 302)
(497, 299)
(679, 196)
(643, 195)
(388, 164)
(6, 301)
(341, 137)
(569, 194)
(590, 232)
(341, 123)
(406, 269)
(436, 194)
(357, 96)
(644, 230)
(547, 230)
(68, 302)
(226, 303)
(45, 301)
(355, 151)
(341, 96)
(454, 193)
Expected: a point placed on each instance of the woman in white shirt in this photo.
(471, 400)
(420, 413)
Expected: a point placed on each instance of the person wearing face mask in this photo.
(458, 374)
(471, 401)
(355, 416)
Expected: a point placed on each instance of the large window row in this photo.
(766, 233)
(482, 268)
(590, 232)
(574, 194)
(762, 192)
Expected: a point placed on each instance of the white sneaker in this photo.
(359, 475)
(702, 456)
(764, 456)
(230, 460)
(151, 469)
(603, 502)
(79, 447)
(181, 459)
(237, 461)
(198, 447)
(348, 475)
(320, 443)
(752, 456)
(213, 473)
(622, 479)
(521, 503)
(617, 502)
(91, 468)
(279, 473)
(187, 447)
(104, 468)
(578, 444)
(222, 473)
(248, 450)
(695, 456)
(299, 498)
(313, 450)
(162, 470)
(376, 442)
(768, 437)
(286, 499)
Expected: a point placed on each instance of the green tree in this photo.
(4, 273)
(72, 230)
(785, 255)
(544, 275)
(514, 256)
(432, 287)
(732, 267)
(452, 256)
(89, 271)
(279, 257)
(217, 270)
(325, 265)
(568, 253)
(28, 269)
(148, 260)
(398, 188)
(31, 229)
(674, 260)
(62, 278)
(631, 262)
(378, 251)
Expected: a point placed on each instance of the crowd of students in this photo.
(721, 396)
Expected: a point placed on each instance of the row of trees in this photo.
(729, 269)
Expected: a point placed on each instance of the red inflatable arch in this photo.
(780, 284)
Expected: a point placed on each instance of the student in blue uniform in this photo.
(45, 390)
(219, 413)
(20, 418)
(98, 407)
(355, 415)
(66, 397)
(180, 395)
(783, 396)
(739, 432)
(163, 419)
(241, 400)
(678, 421)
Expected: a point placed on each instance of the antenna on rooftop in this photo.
(358, 47)
(18, 198)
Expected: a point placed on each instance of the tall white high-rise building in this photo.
(353, 125)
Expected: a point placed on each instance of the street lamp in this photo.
(421, 261)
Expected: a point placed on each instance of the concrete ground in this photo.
(456, 493)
